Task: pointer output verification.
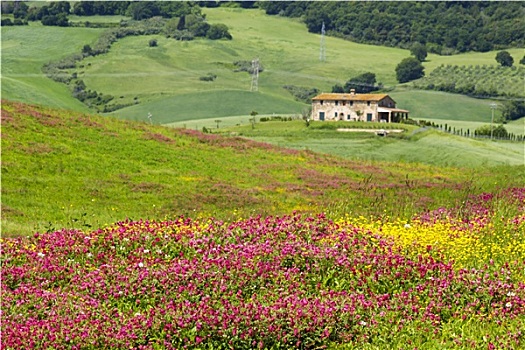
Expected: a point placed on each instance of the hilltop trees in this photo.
(409, 69)
(445, 27)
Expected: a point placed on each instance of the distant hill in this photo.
(172, 80)
(445, 27)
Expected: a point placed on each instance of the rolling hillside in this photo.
(67, 169)
(166, 80)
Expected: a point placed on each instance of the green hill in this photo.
(415, 145)
(67, 169)
(25, 49)
(166, 80)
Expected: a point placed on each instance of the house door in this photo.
(369, 117)
(321, 115)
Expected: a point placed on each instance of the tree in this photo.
(20, 10)
(513, 110)
(338, 89)
(419, 51)
(362, 84)
(87, 50)
(55, 20)
(218, 31)
(505, 59)
(522, 61)
(409, 69)
(143, 9)
(488, 130)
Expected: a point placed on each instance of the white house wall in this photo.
(333, 109)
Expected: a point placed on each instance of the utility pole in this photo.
(493, 106)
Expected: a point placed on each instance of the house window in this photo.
(368, 103)
(321, 102)
(335, 115)
(348, 117)
(344, 103)
(351, 103)
(337, 103)
(321, 115)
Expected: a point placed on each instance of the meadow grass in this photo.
(98, 19)
(25, 49)
(470, 58)
(424, 104)
(414, 145)
(65, 169)
(211, 105)
(165, 80)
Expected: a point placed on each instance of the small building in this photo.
(356, 107)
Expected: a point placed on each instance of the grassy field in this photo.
(25, 49)
(165, 80)
(440, 105)
(415, 145)
(102, 211)
(470, 58)
(65, 169)
(190, 107)
(98, 19)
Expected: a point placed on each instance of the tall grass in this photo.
(65, 169)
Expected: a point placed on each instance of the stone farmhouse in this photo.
(356, 107)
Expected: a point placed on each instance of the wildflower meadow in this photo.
(447, 278)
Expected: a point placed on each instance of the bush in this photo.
(301, 93)
(153, 43)
(218, 31)
(209, 77)
(409, 69)
(496, 131)
(505, 59)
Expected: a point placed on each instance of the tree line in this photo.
(444, 27)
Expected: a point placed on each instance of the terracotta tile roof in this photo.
(349, 97)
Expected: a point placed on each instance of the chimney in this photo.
(352, 92)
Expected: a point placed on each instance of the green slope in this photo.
(165, 80)
(208, 104)
(442, 105)
(65, 169)
(25, 49)
(425, 146)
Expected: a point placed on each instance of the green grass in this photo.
(164, 80)
(210, 104)
(174, 68)
(414, 146)
(446, 106)
(65, 169)
(98, 19)
(25, 49)
(470, 58)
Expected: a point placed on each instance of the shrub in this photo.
(302, 94)
(488, 130)
(409, 69)
(209, 77)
